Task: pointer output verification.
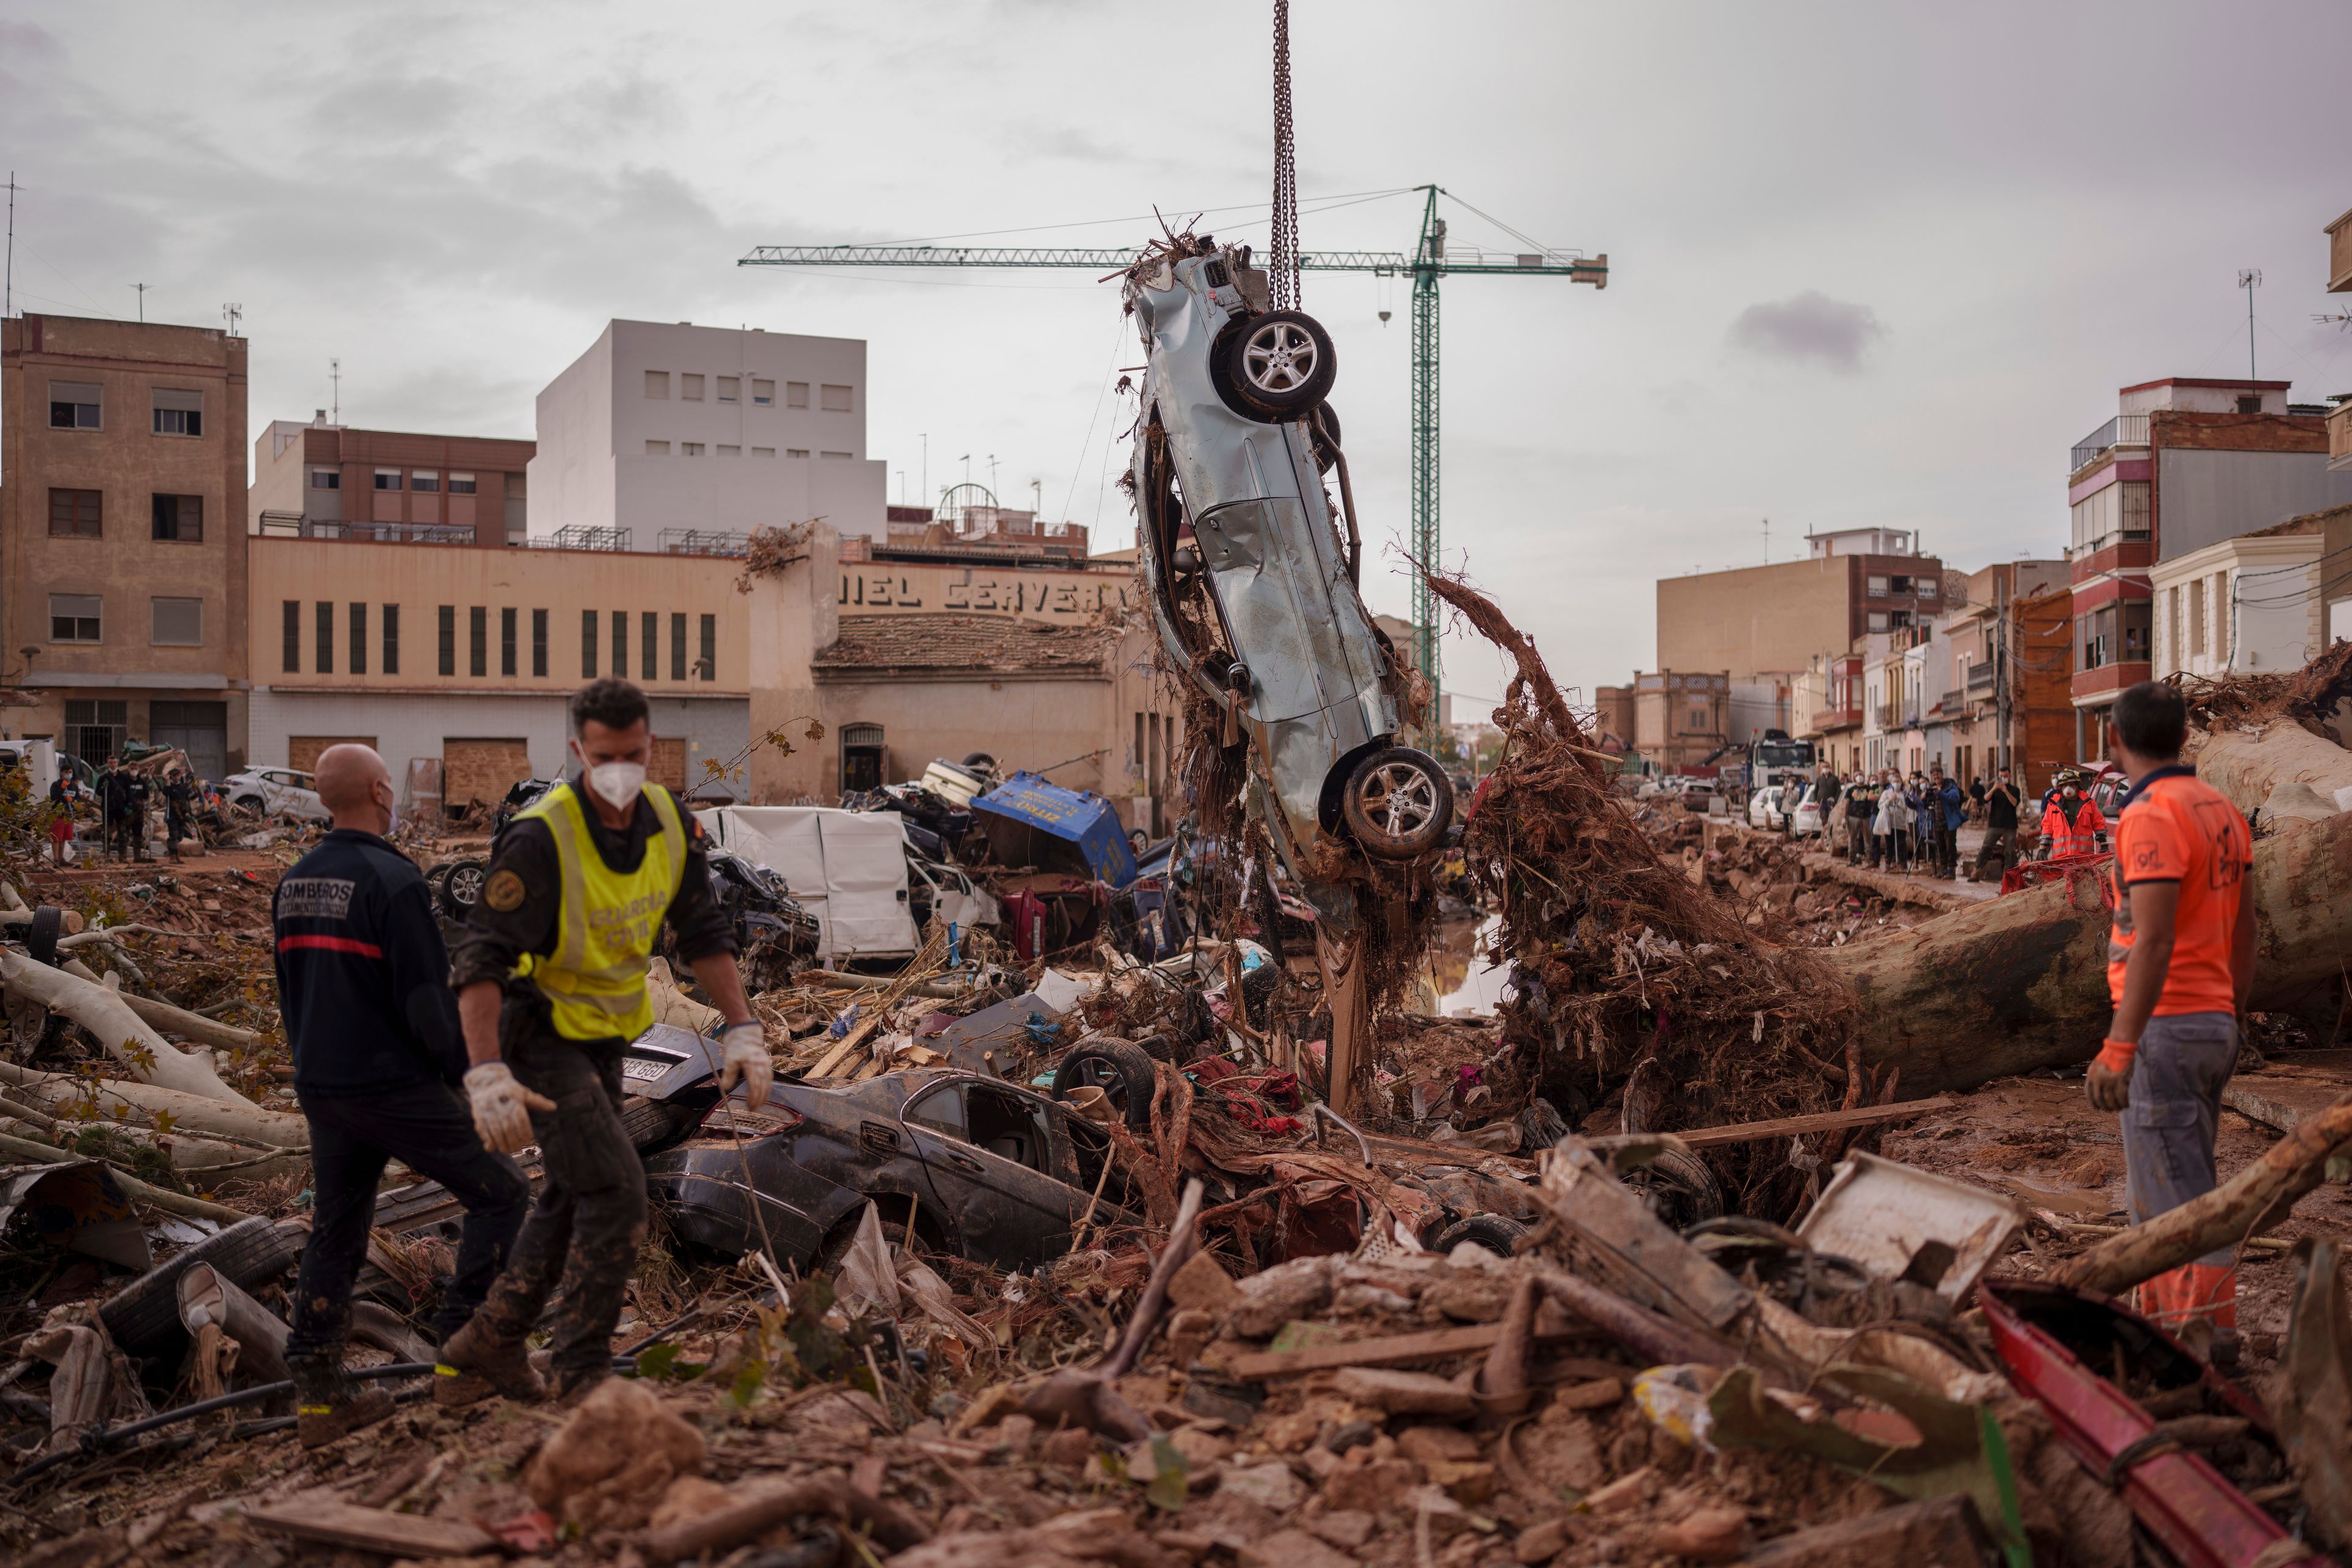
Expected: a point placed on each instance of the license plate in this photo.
(645, 1069)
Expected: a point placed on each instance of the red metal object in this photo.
(2027, 873)
(2183, 1501)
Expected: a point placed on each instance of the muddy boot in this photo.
(567, 1386)
(477, 1361)
(329, 1405)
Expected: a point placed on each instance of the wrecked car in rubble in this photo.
(1253, 578)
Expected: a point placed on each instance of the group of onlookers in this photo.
(1887, 821)
(119, 797)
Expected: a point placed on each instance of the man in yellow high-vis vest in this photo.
(550, 979)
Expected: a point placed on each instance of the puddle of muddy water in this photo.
(1458, 974)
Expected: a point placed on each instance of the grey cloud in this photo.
(1809, 326)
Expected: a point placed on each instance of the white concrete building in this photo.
(661, 429)
(2249, 605)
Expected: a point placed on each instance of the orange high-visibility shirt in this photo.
(2178, 828)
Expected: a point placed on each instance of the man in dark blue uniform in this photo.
(364, 988)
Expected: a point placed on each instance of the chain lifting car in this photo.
(1253, 578)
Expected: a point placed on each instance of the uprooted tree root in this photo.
(1634, 984)
(2311, 696)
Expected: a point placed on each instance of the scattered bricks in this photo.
(1067, 1449)
(1190, 1330)
(1201, 1450)
(1427, 1445)
(1404, 1393)
(1597, 1394)
(1375, 1487)
(1270, 1486)
(1293, 1549)
(1202, 1285)
(1299, 1288)
(1289, 1434)
(1709, 1535)
(1320, 1462)
(1348, 1529)
(1627, 1491)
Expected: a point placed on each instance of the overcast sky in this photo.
(1870, 263)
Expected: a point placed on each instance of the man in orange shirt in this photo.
(2180, 962)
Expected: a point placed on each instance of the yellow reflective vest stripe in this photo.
(595, 980)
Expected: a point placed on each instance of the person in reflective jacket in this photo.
(551, 980)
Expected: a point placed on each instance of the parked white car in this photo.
(276, 792)
(1766, 810)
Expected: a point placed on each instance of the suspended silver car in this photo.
(1254, 580)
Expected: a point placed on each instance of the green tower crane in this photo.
(1430, 261)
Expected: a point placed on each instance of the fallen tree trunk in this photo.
(2260, 1194)
(125, 1036)
(2247, 766)
(26, 1150)
(53, 1092)
(2020, 982)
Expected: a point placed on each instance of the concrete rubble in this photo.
(1599, 1271)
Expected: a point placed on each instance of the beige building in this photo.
(327, 481)
(2262, 603)
(122, 539)
(1680, 720)
(1761, 620)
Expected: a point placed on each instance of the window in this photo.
(96, 728)
(461, 484)
(587, 645)
(291, 634)
(179, 518)
(1930, 588)
(2139, 616)
(835, 453)
(710, 661)
(1878, 587)
(538, 643)
(449, 640)
(74, 514)
(730, 389)
(730, 451)
(764, 451)
(690, 448)
(425, 480)
(478, 640)
(178, 413)
(73, 617)
(621, 643)
(73, 406)
(657, 384)
(656, 448)
(388, 478)
(1901, 618)
(322, 653)
(2104, 516)
(690, 387)
(176, 623)
(797, 451)
(763, 394)
(676, 646)
(359, 638)
(649, 644)
(1899, 584)
(1878, 620)
(506, 642)
(2251, 405)
(392, 639)
(835, 399)
(796, 394)
(326, 479)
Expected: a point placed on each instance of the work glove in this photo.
(2108, 1088)
(747, 1058)
(503, 1107)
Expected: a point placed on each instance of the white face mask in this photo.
(617, 783)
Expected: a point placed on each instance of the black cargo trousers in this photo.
(590, 1220)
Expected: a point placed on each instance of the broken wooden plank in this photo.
(1819, 1121)
(1386, 1350)
(377, 1530)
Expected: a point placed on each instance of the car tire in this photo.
(1323, 431)
(461, 886)
(144, 1315)
(1279, 364)
(1397, 804)
(1122, 1070)
(1498, 1233)
(247, 802)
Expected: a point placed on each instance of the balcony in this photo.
(2122, 430)
(1951, 702)
(288, 525)
(1980, 681)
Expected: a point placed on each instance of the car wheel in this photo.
(1123, 1072)
(249, 801)
(1498, 1233)
(461, 885)
(1397, 803)
(143, 1316)
(1280, 365)
(1324, 429)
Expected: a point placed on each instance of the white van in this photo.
(848, 868)
(37, 758)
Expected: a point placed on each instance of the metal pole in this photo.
(1426, 539)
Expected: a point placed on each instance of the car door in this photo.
(991, 1159)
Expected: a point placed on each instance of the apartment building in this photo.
(329, 481)
(1994, 646)
(1680, 720)
(662, 431)
(1765, 620)
(122, 549)
(2267, 601)
(2339, 281)
(2186, 463)
(1825, 708)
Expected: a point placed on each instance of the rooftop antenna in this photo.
(2249, 280)
(233, 314)
(143, 299)
(992, 473)
(8, 286)
(1037, 498)
(335, 374)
